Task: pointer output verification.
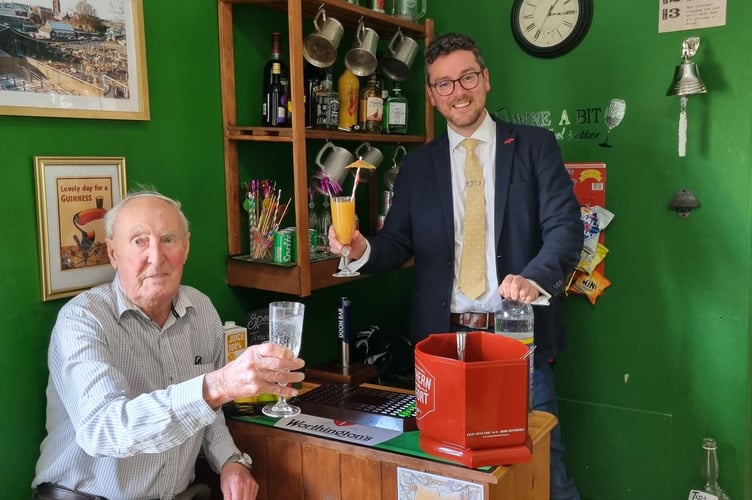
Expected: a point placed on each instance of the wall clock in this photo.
(550, 28)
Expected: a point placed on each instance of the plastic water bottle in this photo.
(515, 320)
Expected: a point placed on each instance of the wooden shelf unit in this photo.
(304, 277)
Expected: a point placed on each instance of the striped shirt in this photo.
(125, 413)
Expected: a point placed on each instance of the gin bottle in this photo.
(395, 112)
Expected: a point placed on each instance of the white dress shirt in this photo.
(490, 300)
(126, 416)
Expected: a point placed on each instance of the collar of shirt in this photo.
(486, 151)
(486, 133)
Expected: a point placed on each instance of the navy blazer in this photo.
(539, 234)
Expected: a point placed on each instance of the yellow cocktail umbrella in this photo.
(358, 164)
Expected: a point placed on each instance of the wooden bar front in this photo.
(292, 466)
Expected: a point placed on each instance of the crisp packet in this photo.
(595, 219)
(589, 259)
(591, 285)
(604, 216)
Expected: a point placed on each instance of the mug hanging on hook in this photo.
(402, 51)
(370, 154)
(391, 174)
(361, 58)
(320, 48)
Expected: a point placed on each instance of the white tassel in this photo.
(683, 127)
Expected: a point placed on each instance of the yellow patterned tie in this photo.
(473, 263)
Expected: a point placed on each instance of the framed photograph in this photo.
(73, 60)
(73, 195)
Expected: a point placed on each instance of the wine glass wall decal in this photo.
(613, 116)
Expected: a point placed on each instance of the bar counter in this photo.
(291, 466)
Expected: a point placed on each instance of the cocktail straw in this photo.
(358, 164)
(355, 183)
(284, 211)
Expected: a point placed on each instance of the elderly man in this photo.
(137, 380)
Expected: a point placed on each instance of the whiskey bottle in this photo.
(327, 104)
(395, 112)
(268, 77)
(348, 86)
(371, 107)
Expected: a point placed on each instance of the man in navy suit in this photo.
(533, 231)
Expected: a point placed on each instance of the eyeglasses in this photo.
(467, 81)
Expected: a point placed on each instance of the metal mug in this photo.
(336, 161)
(320, 48)
(369, 154)
(361, 59)
(402, 52)
(408, 9)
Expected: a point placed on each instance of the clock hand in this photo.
(551, 9)
(548, 14)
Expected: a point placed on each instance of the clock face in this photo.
(550, 28)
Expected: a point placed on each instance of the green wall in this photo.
(676, 317)
(180, 152)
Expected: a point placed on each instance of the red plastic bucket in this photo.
(476, 404)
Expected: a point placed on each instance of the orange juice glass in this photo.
(343, 220)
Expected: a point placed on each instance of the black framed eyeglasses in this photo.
(468, 81)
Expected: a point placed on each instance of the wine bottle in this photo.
(276, 100)
(268, 77)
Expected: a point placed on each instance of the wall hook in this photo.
(683, 202)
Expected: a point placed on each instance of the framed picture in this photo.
(73, 195)
(74, 60)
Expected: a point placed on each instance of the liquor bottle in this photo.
(711, 490)
(348, 86)
(371, 107)
(268, 77)
(312, 76)
(327, 103)
(395, 112)
(276, 101)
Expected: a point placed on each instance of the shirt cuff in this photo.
(543, 298)
(357, 264)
